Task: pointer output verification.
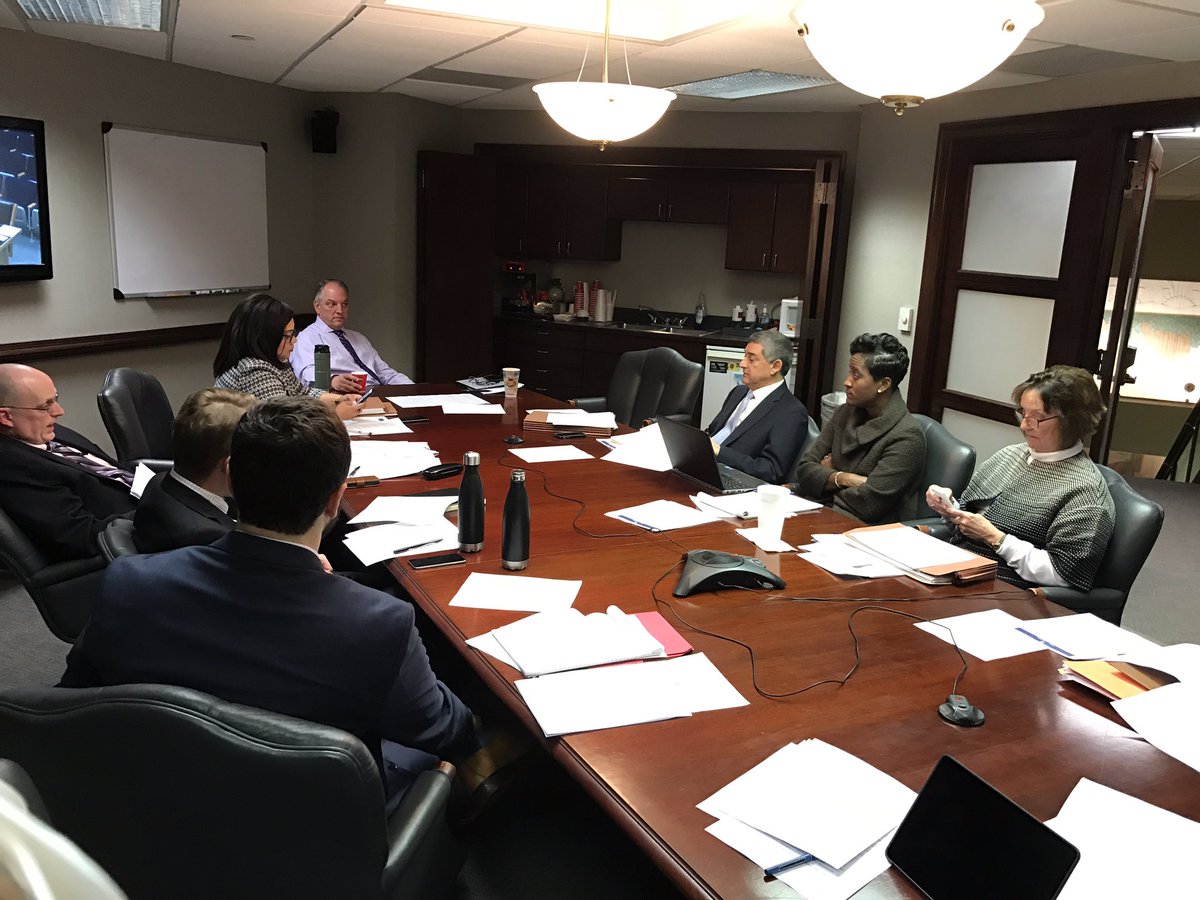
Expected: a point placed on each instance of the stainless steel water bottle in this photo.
(514, 536)
(470, 505)
(321, 366)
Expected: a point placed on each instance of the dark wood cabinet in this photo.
(555, 215)
(512, 208)
(663, 200)
(769, 226)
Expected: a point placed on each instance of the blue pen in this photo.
(790, 864)
(649, 528)
(1047, 643)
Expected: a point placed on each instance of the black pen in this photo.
(352, 471)
(414, 546)
(790, 864)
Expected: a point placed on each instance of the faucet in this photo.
(650, 314)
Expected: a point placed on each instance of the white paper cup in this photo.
(512, 379)
(770, 511)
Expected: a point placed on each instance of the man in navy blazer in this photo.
(254, 618)
(761, 427)
(57, 486)
(190, 503)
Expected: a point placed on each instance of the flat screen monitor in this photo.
(24, 210)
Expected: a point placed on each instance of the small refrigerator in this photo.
(722, 371)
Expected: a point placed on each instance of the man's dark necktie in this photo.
(350, 347)
(97, 467)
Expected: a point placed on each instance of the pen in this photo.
(354, 470)
(400, 550)
(649, 528)
(1047, 643)
(790, 864)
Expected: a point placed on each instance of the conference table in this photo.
(1041, 735)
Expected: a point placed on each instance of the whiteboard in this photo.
(188, 214)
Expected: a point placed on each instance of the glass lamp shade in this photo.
(912, 50)
(603, 111)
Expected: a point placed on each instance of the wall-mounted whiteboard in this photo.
(188, 214)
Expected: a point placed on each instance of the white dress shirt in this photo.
(340, 360)
(750, 402)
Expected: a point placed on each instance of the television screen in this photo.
(24, 216)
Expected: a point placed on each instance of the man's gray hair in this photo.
(775, 347)
(321, 286)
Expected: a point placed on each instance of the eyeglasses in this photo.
(1021, 416)
(41, 407)
(289, 335)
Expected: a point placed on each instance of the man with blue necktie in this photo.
(349, 351)
(57, 486)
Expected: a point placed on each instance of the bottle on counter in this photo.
(700, 308)
(470, 505)
(751, 312)
(737, 313)
(514, 535)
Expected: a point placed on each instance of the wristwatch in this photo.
(996, 546)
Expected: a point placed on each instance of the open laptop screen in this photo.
(963, 838)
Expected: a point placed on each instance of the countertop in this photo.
(689, 335)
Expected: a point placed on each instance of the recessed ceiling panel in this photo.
(536, 54)
(438, 92)
(127, 40)
(1181, 44)
(1090, 21)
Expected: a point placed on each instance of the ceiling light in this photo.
(755, 83)
(600, 111)
(907, 51)
(145, 14)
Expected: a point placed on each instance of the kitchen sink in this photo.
(665, 329)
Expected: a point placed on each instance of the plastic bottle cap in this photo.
(471, 458)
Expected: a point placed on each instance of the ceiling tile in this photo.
(127, 40)
(1179, 44)
(1091, 21)
(452, 94)
(9, 19)
(533, 53)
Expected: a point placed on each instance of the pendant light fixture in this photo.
(602, 111)
(907, 51)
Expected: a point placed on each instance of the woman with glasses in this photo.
(1041, 509)
(254, 353)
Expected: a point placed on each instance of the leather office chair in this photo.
(814, 432)
(138, 417)
(117, 540)
(1135, 529)
(650, 384)
(948, 462)
(178, 794)
(63, 592)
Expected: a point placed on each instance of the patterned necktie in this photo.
(350, 347)
(97, 467)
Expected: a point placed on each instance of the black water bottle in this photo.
(470, 505)
(321, 366)
(514, 539)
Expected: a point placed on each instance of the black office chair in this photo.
(814, 432)
(138, 418)
(650, 384)
(948, 462)
(1135, 529)
(178, 794)
(64, 592)
(117, 540)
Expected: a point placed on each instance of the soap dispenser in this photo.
(700, 309)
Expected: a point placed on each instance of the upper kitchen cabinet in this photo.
(663, 200)
(769, 225)
(548, 214)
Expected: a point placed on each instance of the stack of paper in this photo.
(560, 640)
(662, 515)
(642, 449)
(372, 545)
(421, 401)
(834, 553)
(376, 406)
(922, 556)
(601, 423)
(390, 459)
(612, 696)
(365, 426)
(420, 509)
(812, 797)
(746, 505)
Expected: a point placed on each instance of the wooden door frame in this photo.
(1090, 241)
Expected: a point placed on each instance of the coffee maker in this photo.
(517, 287)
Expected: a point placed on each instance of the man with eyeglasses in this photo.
(349, 351)
(57, 486)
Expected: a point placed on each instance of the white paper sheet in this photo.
(420, 510)
(471, 409)
(911, 548)
(1166, 717)
(380, 542)
(518, 593)
(642, 449)
(141, 477)
(663, 515)
(1085, 636)
(588, 419)
(551, 454)
(1180, 660)
(418, 401)
(987, 635)
(840, 558)
(364, 426)
(561, 639)
(1127, 847)
(815, 796)
(771, 545)
(390, 459)
(487, 643)
(745, 505)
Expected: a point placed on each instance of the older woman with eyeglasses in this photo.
(254, 353)
(1041, 508)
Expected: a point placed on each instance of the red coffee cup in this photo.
(362, 381)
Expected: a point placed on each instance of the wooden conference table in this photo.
(1040, 738)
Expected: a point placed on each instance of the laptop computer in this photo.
(690, 451)
(963, 838)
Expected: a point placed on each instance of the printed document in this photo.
(380, 542)
(518, 593)
(1166, 717)
(550, 454)
(562, 639)
(987, 635)
(663, 515)
(419, 510)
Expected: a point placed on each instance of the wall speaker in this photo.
(324, 131)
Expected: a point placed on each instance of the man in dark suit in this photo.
(761, 427)
(59, 487)
(254, 618)
(190, 503)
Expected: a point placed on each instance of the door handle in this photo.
(568, 248)
(544, 352)
(764, 261)
(774, 260)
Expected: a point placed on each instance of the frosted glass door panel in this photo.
(998, 340)
(1017, 217)
(985, 435)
